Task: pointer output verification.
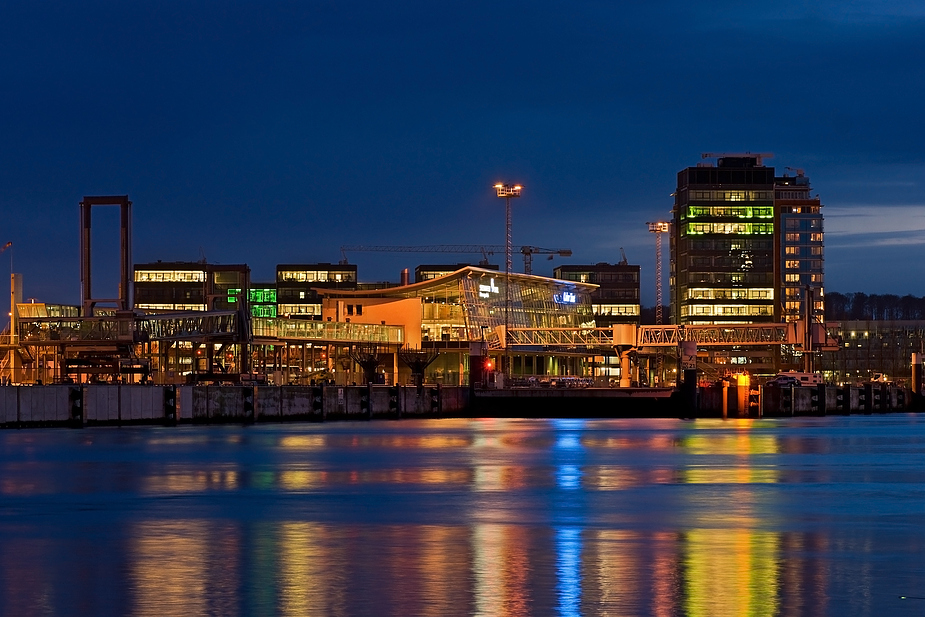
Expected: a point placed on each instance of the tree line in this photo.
(861, 306)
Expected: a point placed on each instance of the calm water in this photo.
(822, 516)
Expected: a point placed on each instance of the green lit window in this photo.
(263, 296)
(263, 310)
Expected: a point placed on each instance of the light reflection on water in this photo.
(484, 517)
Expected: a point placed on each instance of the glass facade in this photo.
(616, 300)
(722, 244)
(297, 284)
(801, 248)
(189, 286)
(470, 304)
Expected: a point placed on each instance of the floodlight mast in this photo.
(507, 192)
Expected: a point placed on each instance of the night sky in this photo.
(275, 132)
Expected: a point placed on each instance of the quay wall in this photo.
(104, 404)
(823, 399)
(89, 405)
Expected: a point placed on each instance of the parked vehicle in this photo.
(796, 378)
(783, 381)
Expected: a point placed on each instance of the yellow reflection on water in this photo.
(730, 475)
(738, 444)
(302, 442)
(303, 577)
(732, 572)
(300, 480)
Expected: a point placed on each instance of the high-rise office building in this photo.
(746, 247)
(722, 243)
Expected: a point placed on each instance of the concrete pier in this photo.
(97, 405)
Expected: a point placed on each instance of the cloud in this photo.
(873, 225)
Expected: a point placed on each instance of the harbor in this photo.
(118, 405)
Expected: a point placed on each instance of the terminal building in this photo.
(453, 312)
(464, 315)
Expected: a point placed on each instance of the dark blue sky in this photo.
(275, 132)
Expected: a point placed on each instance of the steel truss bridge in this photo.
(656, 336)
(225, 326)
(213, 326)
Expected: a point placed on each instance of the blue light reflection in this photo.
(568, 570)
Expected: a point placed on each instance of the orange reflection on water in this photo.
(183, 567)
(501, 569)
(632, 572)
(612, 477)
(307, 479)
(440, 569)
(184, 482)
(400, 442)
(654, 442)
(33, 482)
(187, 482)
(499, 477)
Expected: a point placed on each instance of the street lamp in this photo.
(507, 192)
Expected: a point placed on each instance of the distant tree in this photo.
(859, 309)
(891, 310)
(911, 307)
(863, 307)
(836, 306)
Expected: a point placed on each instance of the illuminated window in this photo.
(815, 237)
(792, 264)
(816, 250)
(793, 250)
(170, 276)
(792, 278)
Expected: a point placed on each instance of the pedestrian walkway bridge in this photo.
(226, 326)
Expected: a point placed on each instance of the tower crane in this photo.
(473, 249)
(658, 228)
